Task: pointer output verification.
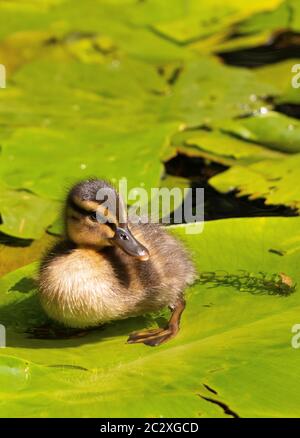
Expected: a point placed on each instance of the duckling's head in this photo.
(95, 216)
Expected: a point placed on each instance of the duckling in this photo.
(106, 268)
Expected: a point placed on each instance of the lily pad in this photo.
(275, 181)
(84, 152)
(237, 325)
(217, 146)
(274, 130)
(108, 119)
(198, 20)
(207, 90)
(266, 20)
(24, 214)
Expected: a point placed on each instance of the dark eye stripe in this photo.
(91, 213)
(81, 210)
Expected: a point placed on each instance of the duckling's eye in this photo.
(93, 216)
(123, 236)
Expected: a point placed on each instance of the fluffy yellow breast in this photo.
(80, 290)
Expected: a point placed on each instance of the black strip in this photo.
(198, 426)
(86, 213)
(80, 210)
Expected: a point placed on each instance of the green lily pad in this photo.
(108, 127)
(83, 153)
(218, 146)
(274, 130)
(198, 20)
(237, 325)
(260, 28)
(276, 181)
(295, 15)
(280, 75)
(266, 20)
(206, 90)
(15, 253)
(24, 214)
(61, 18)
(108, 119)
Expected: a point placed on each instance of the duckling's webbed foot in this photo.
(152, 338)
(155, 337)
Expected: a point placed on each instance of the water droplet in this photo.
(263, 110)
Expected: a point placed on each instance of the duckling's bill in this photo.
(124, 239)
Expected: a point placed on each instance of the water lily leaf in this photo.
(44, 142)
(276, 181)
(24, 214)
(107, 127)
(261, 29)
(15, 253)
(278, 18)
(61, 19)
(221, 144)
(21, 48)
(295, 14)
(99, 374)
(57, 228)
(218, 146)
(118, 114)
(283, 75)
(280, 75)
(199, 20)
(84, 152)
(206, 90)
(269, 128)
(241, 41)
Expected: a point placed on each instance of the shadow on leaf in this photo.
(25, 285)
(260, 283)
(29, 327)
